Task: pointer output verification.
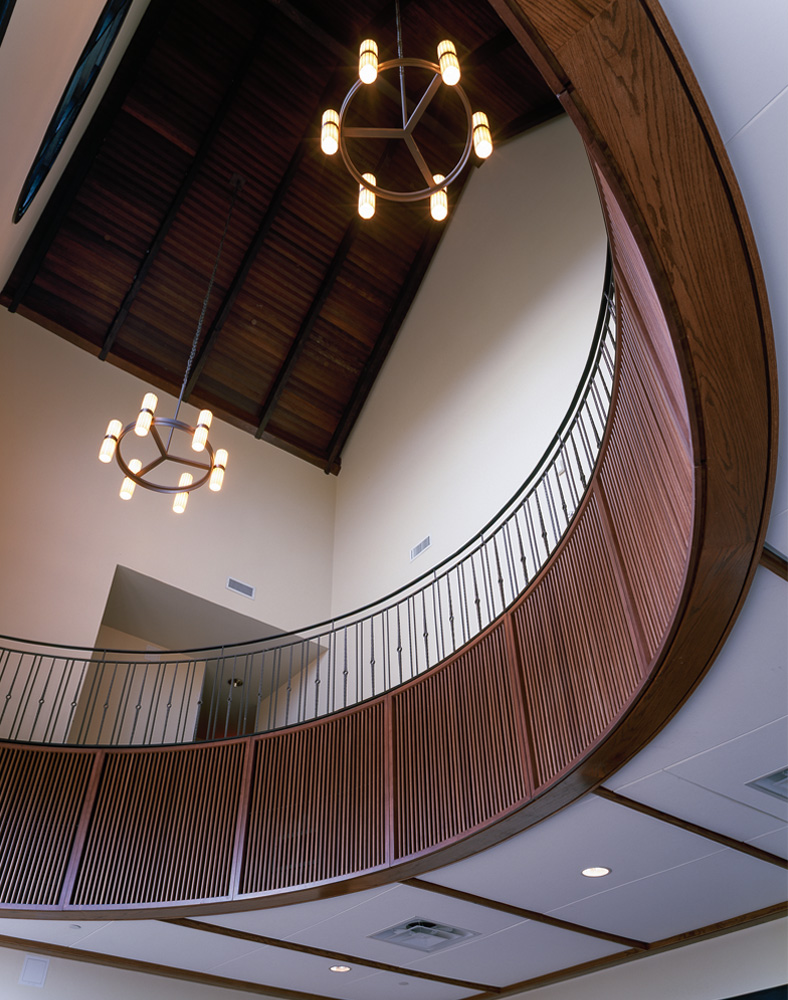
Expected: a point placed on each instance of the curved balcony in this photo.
(575, 675)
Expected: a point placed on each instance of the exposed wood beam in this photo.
(683, 824)
(518, 911)
(241, 274)
(185, 187)
(306, 327)
(775, 561)
(80, 163)
(304, 949)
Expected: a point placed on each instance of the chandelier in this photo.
(335, 130)
(202, 464)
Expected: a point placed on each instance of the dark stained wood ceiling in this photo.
(308, 298)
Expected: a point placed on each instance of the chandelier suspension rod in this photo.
(403, 95)
(237, 183)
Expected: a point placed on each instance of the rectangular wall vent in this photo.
(34, 971)
(244, 589)
(418, 549)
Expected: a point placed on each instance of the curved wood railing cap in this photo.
(580, 673)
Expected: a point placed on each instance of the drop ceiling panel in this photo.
(775, 843)
(285, 921)
(351, 934)
(387, 986)
(540, 869)
(311, 974)
(707, 891)
(746, 688)
(517, 953)
(165, 944)
(680, 797)
(727, 769)
(52, 931)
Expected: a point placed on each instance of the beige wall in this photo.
(63, 529)
(483, 369)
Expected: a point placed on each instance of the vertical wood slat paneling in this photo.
(647, 483)
(163, 827)
(458, 749)
(41, 794)
(579, 661)
(327, 818)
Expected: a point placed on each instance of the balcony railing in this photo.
(101, 697)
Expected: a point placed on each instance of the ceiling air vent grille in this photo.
(244, 589)
(775, 784)
(420, 547)
(423, 935)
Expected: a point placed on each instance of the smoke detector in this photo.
(423, 935)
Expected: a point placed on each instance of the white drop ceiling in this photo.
(664, 880)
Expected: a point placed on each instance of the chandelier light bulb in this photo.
(482, 137)
(127, 486)
(145, 417)
(217, 470)
(368, 61)
(181, 499)
(201, 430)
(329, 132)
(439, 200)
(366, 198)
(449, 63)
(110, 442)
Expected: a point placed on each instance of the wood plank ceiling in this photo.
(307, 299)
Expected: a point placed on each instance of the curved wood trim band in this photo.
(584, 669)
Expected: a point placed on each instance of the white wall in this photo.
(482, 370)
(63, 529)
(67, 980)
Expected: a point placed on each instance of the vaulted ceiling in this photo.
(218, 103)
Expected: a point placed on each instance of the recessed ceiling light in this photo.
(595, 872)
(339, 968)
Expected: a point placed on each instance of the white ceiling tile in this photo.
(518, 953)
(759, 155)
(540, 868)
(745, 689)
(65, 932)
(739, 59)
(681, 899)
(727, 768)
(165, 944)
(775, 842)
(351, 933)
(679, 797)
(390, 986)
(281, 921)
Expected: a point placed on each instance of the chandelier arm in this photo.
(370, 132)
(352, 132)
(424, 103)
(421, 163)
(154, 433)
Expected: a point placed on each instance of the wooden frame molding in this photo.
(634, 605)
